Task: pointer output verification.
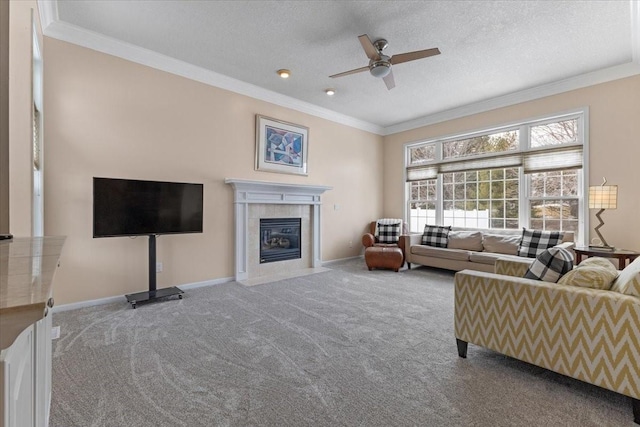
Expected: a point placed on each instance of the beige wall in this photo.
(614, 128)
(20, 165)
(112, 118)
(4, 117)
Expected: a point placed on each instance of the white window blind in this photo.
(541, 160)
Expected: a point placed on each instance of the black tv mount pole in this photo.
(152, 294)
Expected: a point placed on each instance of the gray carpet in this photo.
(346, 347)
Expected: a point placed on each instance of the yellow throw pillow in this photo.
(590, 276)
(598, 262)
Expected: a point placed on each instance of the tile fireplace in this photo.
(255, 200)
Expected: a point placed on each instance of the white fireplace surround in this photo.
(272, 193)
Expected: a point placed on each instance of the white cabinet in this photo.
(27, 268)
(42, 371)
(25, 374)
(18, 372)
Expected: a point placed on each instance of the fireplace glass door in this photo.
(279, 239)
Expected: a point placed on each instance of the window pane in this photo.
(553, 184)
(471, 191)
(448, 192)
(563, 132)
(512, 223)
(422, 154)
(492, 143)
(497, 209)
(511, 173)
(511, 209)
(536, 209)
(536, 188)
(497, 189)
(423, 192)
(422, 206)
(497, 223)
(569, 183)
(511, 189)
(421, 213)
(537, 224)
(555, 214)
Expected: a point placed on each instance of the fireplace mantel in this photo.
(263, 192)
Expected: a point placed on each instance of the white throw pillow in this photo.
(469, 240)
(501, 244)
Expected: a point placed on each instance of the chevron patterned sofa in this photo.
(588, 334)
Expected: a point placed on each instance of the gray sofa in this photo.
(475, 249)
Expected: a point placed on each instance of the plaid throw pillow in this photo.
(534, 242)
(388, 233)
(435, 235)
(550, 265)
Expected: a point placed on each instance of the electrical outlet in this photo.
(350, 243)
(55, 332)
(158, 267)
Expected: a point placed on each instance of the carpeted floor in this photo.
(347, 347)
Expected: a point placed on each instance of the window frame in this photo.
(524, 146)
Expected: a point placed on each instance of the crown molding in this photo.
(79, 36)
(48, 10)
(589, 79)
(53, 27)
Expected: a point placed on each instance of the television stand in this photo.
(152, 294)
(147, 296)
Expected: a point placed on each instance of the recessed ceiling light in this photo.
(330, 92)
(284, 73)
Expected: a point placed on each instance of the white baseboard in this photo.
(122, 298)
(333, 261)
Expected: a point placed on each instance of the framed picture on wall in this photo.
(280, 146)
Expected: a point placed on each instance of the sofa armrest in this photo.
(512, 267)
(587, 334)
(414, 239)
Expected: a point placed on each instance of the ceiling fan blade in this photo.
(369, 48)
(412, 56)
(389, 80)
(346, 73)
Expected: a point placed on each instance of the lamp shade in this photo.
(603, 197)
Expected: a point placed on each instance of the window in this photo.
(523, 175)
(422, 204)
(492, 143)
(481, 199)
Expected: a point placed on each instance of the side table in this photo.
(623, 256)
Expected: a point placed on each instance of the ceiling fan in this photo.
(380, 64)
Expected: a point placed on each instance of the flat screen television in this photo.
(127, 207)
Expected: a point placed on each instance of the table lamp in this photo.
(602, 197)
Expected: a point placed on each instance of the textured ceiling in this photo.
(489, 48)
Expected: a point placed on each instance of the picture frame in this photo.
(281, 147)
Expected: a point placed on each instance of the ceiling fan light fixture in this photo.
(330, 91)
(380, 69)
(284, 73)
